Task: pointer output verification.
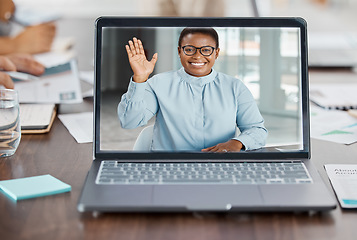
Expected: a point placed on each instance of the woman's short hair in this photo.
(206, 31)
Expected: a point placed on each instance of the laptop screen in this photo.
(255, 89)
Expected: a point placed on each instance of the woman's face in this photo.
(198, 65)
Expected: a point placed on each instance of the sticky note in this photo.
(350, 202)
(31, 187)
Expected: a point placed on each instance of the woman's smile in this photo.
(198, 64)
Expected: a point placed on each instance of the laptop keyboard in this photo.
(114, 172)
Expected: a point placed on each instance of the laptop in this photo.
(269, 55)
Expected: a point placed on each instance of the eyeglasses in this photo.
(190, 50)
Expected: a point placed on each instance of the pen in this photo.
(352, 112)
(22, 76)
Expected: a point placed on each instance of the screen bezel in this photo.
(285, 22)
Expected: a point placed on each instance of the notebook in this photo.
(269, 56)
(37, 118)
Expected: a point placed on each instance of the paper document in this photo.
(333, 125)
(334, 96)
(59, 84)
(87, 76)
(343, 178)
(80, 125)
(54, 58)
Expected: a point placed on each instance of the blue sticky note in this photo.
(31, 187)
(350, 202)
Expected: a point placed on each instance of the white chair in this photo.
(143, 141)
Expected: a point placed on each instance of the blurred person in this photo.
(26, 63)
(32, 40)
(18, 62)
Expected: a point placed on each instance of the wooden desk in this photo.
(56, 217)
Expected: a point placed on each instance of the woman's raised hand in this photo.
(141, 67)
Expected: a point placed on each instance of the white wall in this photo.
(95, 8)
(85, 8)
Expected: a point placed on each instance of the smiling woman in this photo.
(196, 108)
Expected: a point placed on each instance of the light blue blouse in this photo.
(193, 113)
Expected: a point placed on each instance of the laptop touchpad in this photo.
(201, 197)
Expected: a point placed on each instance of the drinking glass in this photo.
(10, 129)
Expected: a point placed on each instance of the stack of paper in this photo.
(59, 84)
(334, 95)
(333, 125)
(343, 178)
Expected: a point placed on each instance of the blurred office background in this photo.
(78, 16)
(229, 8)
(278, 103)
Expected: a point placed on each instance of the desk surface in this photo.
(56, 217)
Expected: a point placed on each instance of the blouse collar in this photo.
(197, 80)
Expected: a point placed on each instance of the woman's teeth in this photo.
(198, 64)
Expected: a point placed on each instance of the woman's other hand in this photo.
(229, 146)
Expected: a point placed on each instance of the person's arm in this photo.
(6, 65)
(6, 45)
(34, 39)
(250, 122)
(139, 104)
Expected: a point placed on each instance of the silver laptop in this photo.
(268, 55)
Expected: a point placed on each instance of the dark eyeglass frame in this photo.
(199, 48)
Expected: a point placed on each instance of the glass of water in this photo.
(10, 129)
